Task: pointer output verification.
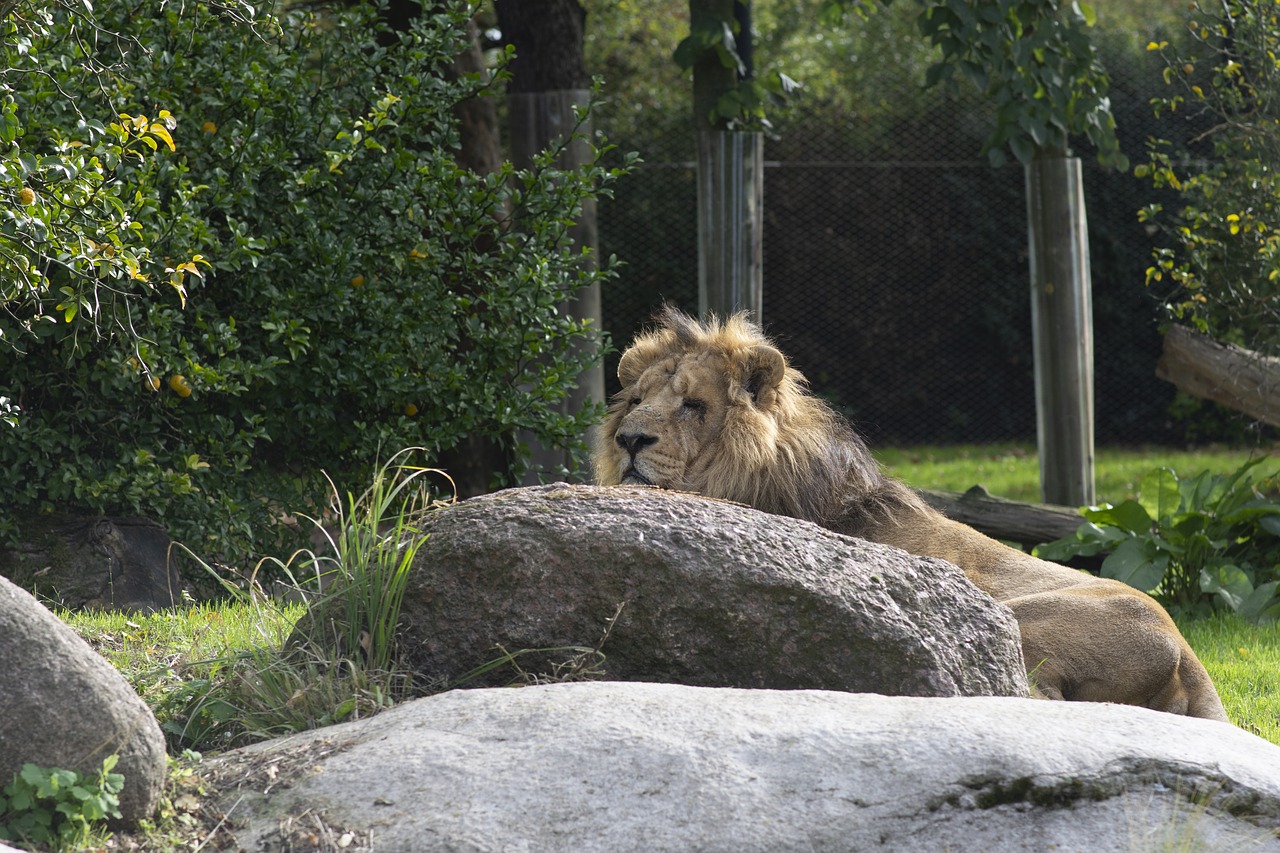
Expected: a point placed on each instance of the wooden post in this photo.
(1062, 327)
(730, 223)
(730, 166)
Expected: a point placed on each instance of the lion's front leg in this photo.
(1101, 642)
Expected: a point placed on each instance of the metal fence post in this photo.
(1062, 327)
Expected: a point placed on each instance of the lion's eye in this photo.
(695, 406)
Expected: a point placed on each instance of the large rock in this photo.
(62, 705)
(95, 562)
(712, 594)
(647, 767)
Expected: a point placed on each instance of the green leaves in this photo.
(58, 807)
(362, 291)
(1035, 62)
(1207, 539)
(709, 33)
(1218, 270)
(1137, 561)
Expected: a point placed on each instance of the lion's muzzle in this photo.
(633, 441)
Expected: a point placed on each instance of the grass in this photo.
(164, 654)
(1244, 661)
(175, 659)
(1012, 470)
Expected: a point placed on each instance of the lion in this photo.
(714, 408)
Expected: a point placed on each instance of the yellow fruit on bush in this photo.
(209, 127)
(154, 382)
(357, 280)
(411, 410)
(26, 196)
(179, 385)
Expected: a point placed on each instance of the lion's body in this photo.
(715, 409)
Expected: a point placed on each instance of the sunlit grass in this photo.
(166, 656)
(1012, 470)
(1244, 662)
(175, 657)
(161, 652)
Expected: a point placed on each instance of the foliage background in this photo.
(1219, 268)
(364, 293)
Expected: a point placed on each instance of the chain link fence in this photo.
(896, 273)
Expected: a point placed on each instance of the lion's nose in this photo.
(634, 442)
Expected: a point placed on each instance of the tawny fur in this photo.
(714, 408)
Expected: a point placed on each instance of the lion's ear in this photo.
(630, 366)
(764, 371)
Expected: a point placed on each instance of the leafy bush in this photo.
(1221, 264)
(58, 807)
(363, 292)
(69, 250)
(1207, 540)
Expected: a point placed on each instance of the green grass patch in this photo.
(173, 658)
(1012, 470)
(219, 674)
(1243, 660)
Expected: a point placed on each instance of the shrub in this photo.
(362, 291)
(70, 252)
(1221, 264)
(1208, 540)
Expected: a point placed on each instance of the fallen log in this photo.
(96, 563)
(1232, 376)
(1000, 518)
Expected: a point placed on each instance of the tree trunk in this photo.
(548, 81)
(475, 460)
(547, 36)
(1232, 376)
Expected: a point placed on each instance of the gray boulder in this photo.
(647, 767)
(63, 706)
(712, 594)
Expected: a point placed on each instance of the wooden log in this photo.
(1232, 376)
(90, 562)
(1010, 521)
(1061, 326)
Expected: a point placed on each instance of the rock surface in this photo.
(648, 767)
(712, 594)
(62, 705)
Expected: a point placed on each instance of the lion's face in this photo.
(667, 419)
(686, 410)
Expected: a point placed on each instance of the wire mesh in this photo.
(896, 272)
